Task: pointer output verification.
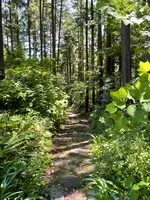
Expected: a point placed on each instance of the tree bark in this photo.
(126, 55)
(87, 60)
(44, 29)
(29, 29)
(2, 67)
(100, 57)
(92, 52)
(59, 31)
(10, 19)
(53, 36)
(41, 29)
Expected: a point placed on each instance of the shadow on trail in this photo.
(71, 155)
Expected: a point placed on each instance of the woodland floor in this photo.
(71, 154)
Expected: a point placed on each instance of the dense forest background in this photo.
(59, 51)
(92, 49)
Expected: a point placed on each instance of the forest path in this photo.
(71, 154)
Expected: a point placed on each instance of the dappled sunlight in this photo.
(71, 153)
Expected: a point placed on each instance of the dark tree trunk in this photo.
(87, 60)
(92, 51)
(11, 32)
(109, 58)
(44, 29)
(29, 29)
(34, 43)
(59, 32)
(100, 57)
(41, 29)
(18, 29)
(54, 36)
(126, 55)
(2, 67)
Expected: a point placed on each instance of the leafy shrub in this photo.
(121, 153)
(100, 120)
(32, 103)
(26, 88)
(25, 144)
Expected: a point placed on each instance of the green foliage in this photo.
(131, 103)
(107, 190)
(25, 144)
(100, 120)
(32, 104)
(121, 153)
(31, 87)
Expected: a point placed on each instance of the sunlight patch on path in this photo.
(71, 155)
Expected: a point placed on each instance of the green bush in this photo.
(121, 153)
(24, 148)
(32, 104)
(28, 88)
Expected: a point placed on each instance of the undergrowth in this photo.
(32, 106)
(121, 150)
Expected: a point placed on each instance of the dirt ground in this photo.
(71, 154)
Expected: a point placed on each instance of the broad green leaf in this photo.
(101, 3)
(144, 88)
(2, 125)
(140, 116)
(144, 184)
(121, 122)
(133, 92)
(144, 67)
(119, 96)
(128, 182)
(144, 77)
(135, 187)
(131, 110)
(111, 108)
(146, 106)
(133, 195)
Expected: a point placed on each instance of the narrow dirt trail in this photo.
(71, 156)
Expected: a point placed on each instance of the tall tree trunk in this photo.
(34, 43)
(87, 60)
(18, 28)
(7, 32)
(109, 58)
(11, 31)
(100, 58)
(70, 66)
(2, 67)
(41, 29)
(44, 29)
(54, 36)
(92, 51)
(59, 31)
(29, 29)
(126, 55)
(81, 44)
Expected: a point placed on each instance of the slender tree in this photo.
(87, 60)
(10, 22)
(41, 28)
(100, 57)
(126, 55)
(2, 67)
(53, 10)
(59, 31)
(92, 50)
(29, 29)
